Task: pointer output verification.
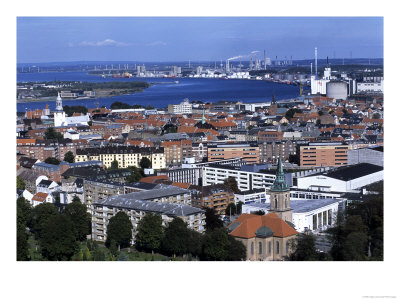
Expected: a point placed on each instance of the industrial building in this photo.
(345, 179)
(372, 155)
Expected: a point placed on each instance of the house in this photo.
(40, 198)
(47, 186)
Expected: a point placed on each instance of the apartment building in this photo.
(176, 151)
(246, 180)
(213, 196)
(125, 155)
(269, 135)
(323, 154)
(249, 153)
(271, 150)
(136, 209)
(183, 108)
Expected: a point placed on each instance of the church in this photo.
(60, 118)
(268, 237)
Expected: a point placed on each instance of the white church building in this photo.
(60, 119)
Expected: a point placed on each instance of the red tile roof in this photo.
(151, 179)
(249, 224)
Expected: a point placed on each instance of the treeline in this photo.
(122, 105)
(58, 232)
(175, 239)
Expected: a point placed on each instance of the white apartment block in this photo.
(183, 108)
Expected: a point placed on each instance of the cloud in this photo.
(157, 43)
(105, 43)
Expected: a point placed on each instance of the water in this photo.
(167, 92)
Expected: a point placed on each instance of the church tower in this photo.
(59, 114)
(280, 195)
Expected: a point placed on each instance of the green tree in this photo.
(303, 248)
(113, 248)
(149, 233)
(52, 161)
(98, 255)
(231, 184)
(69, 157)
(119, 229)
(230, 209)
(24, 211)
(40, 214)
(239, 207)
(123, 257)
(51, 134)
(216, 244)
(20, 183)
(176, 238)
(58, 239)
(135, 176)
(195, 243)
(376, 116)
(236, 250)
(22, 243)
(77, 212)
(145, 163)
(213, 220)
(114, 165)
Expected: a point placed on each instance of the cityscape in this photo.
(234, 147)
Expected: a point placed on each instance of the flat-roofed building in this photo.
(216, 196)
(249, 153)
(373, 155)
(323, 154)
(136, 209)
(344, 179)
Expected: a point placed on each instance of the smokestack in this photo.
(311, 69)
(327, 62)
(316, 63)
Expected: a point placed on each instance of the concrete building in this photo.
(125, 155)
(213, 196)
(246, 180)
(345, 179)
(136, 209)
(372, 155)
(249, 153)
(251, 196)
(183, 108)
(370, 87)
(60, 118)
(176, 151)
(323, 154)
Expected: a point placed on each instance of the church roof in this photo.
(250, 225)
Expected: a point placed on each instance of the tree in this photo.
(212, 219)
(24, 211)
(119, 229)
(113, 248)
(149, 232)
(135, 176)
(51, 134)
(58, 238)
(216, 244)
(22, 243)
(231, 184)
(77, 212)
(20, 183)
(230, 209)
(376, 116)
(114, 165)
(69, 157)
(239, 207)
(290, 113)
(52, 161)
(40, 214)
(236, 250)
(145, 163)
(176, 237)
(303, 248)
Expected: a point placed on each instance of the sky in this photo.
(162, 39)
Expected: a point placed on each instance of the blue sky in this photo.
(64, 39)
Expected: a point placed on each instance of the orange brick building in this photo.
(323, 154)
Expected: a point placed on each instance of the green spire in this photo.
(280, 184)
(203, 120)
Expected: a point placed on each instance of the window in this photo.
(259, 247)
(252, 248)
(269, 248)
(277, 247)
